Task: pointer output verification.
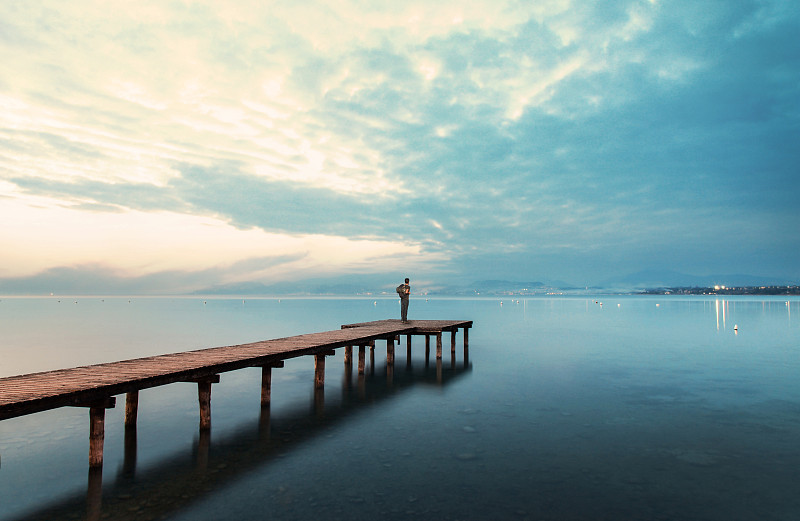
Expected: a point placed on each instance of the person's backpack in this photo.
(401, 290)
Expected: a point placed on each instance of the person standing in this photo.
(404, 290)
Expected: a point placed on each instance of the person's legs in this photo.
(404, 309)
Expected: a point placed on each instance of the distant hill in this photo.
(669, 279)
(499, 287)
(93, 280)
(377, 286)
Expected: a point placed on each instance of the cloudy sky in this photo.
(175, 145)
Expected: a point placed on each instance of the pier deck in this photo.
(95, 386)
(418, 327)
(90, 385)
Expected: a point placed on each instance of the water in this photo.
(636, 408)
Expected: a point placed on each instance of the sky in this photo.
(170, 146)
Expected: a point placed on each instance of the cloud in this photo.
(136, 243)
(439, 132)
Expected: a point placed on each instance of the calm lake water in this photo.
(567, 409)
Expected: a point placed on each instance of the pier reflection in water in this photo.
(180, 481)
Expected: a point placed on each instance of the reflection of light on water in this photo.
(724, 305)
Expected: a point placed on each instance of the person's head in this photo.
(406, 280)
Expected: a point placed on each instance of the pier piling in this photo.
(362, 355)
(131, 408)
(319, 371)
(266, 385)
(390, 351)
(204, 399)
(97, 418)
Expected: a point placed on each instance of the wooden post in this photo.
(266, 385)
(408, 347)
(362, 354)
(348, 355)
(319, 371)
(266, 381)
(204, 399)
(466, 346)
(453, 344)
(439, 346)
(131, 408)
(390, 351)
(97, 418)
(427, 347)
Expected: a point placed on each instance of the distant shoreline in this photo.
(792, 290)
(724, 290)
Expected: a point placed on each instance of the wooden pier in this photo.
(186, 476)
(96, 386)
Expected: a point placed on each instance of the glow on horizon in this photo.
(137, 243)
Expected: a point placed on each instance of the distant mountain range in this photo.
(649, 279)
(88, 282)
(498, 287)
(378, 287)
(643, 280)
